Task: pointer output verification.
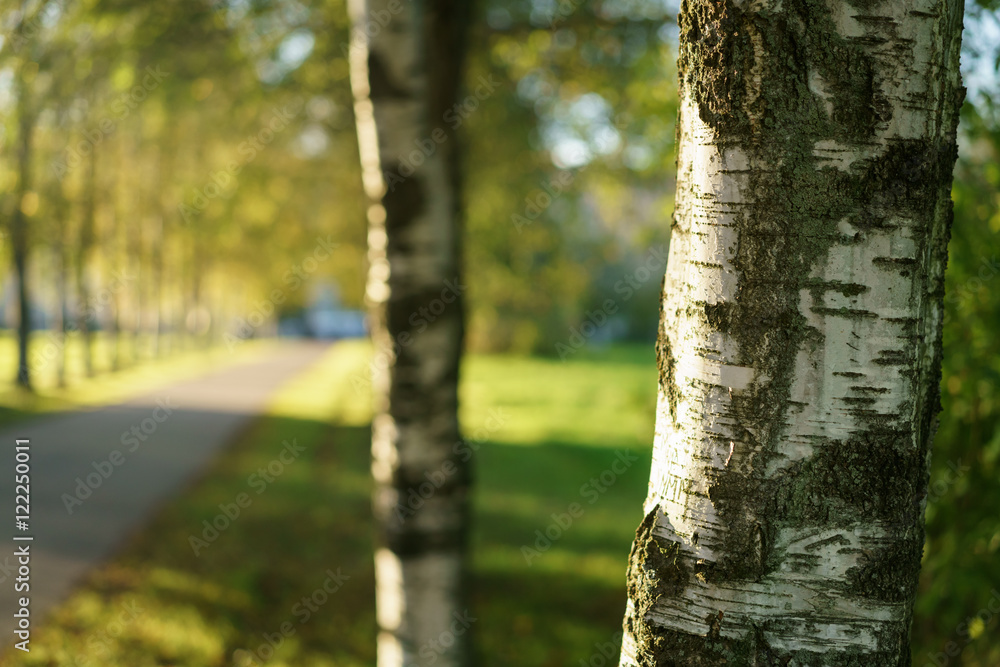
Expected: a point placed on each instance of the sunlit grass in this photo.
(545, 431)
(604, 399)
(214, 609)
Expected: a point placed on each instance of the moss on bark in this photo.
(774, 83)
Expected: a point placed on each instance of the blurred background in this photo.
(191, 192)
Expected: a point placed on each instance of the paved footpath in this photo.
(177, 429)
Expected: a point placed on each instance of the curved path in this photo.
(162, 440)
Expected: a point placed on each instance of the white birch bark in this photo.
(404, 73)
(799, 343)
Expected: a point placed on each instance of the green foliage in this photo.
(570, 196)
(568, 184)
(962, 553)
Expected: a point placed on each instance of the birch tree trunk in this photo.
(19, 223)
(62, 295)
(59, 250)
(84, 250)
(800, 334)
(158, 241)
(405, 64)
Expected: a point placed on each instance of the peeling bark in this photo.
(405, 62)
(800, 334)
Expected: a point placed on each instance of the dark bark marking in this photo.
(404, 202)
(719, 315)
(794, 220)
(413, 396)
(888, 574)
(881, 471)
(667, 366)
(380, 83)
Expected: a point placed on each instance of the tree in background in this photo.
(405, 73)
(800, 335)
(19, 48)
(566, 209)
(25, 204)
(184, 92)
(957, 577)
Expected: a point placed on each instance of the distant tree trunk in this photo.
(800, 335)
(117, 257)
(190, 287)
(59, 251)
(19, 226)
(202, 319)
(118, 358)
(156, 331)
(62, 295)
(136, 251)
(133, 239)
(158, 243)
(83, 252)
(405, 78)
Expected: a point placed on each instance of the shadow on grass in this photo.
(548, 601)
(290, 580)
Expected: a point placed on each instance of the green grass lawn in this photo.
(546, 432)
(545, 429)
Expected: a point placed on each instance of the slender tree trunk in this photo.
(59, 251)
(84, 248)
(158, 244)
(62, 295)
(19, 227)
(117, 257)
(133, 240)
(156, 286)
(187, 318)
(200, 268)
(136, 253)
(405, 77)
(117, 358)
(800, 335)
